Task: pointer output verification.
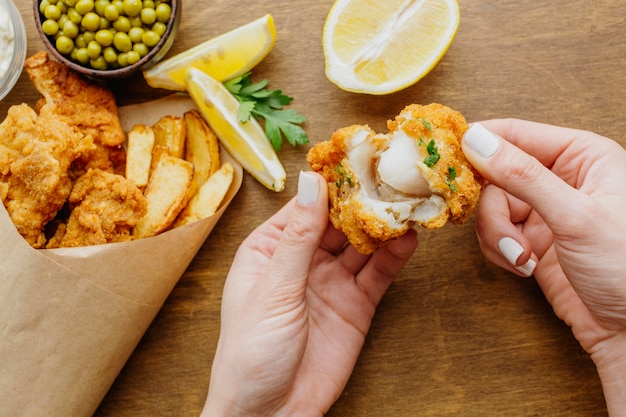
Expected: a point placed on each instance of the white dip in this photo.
(7, 40)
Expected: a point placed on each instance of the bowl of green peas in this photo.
(108, 38)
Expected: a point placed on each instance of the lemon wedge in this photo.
(227, 56)
(246, 142)
(380, 47)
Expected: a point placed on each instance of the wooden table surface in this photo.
(455, 335)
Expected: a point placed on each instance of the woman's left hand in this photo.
(297, 305)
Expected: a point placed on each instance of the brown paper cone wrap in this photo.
(70, 318)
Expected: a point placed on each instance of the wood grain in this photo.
(455, 335)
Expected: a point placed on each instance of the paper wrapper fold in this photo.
(70, 318)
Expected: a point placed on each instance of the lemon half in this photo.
(380, 47)
(225, 57)
(246, 142)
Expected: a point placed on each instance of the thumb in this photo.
(518, 173)
(303, 232)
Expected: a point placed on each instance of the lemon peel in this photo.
(246, 142)
(224, 57)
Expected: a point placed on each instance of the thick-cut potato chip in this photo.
(207, 199)
(201, 148)
(168, 191)
(139, 154)
(171, 132)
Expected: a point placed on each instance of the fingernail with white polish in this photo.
(481, 140)
(308, 188)
(512, 251)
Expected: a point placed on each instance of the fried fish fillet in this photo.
(78, 102)
(380, 185)
(104, 209)
(36, 152)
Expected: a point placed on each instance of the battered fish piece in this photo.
(86, 105)
(381, 185)
(104, 209)
(36, 152)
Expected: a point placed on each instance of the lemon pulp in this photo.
(246, 142)
(381, 47)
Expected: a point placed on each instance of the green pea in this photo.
(89, 36)
(136, 21)
(148, 4)
(91, 22)
(62, 7)
(52, 12)
(104, 37)
(70, 3)
(50, 27)
(122, 42)
(74, 16)
(80, 41)
(84, 6)
(111, 13)
(43, 5)
(100, 5)
(63, 20)
(110, 54)
(148, 16)
(135, 34)
(53, 1)
(94, 49)
(64, 45)
(133, 57)
(82, 55)
(104, 24)
(122, 24)
(70, 29)
(98, 63)
(119, 5)
(141, 49)
(150, 38)
(122, 59)
(159, 28)
(132, 8)
(163, 11)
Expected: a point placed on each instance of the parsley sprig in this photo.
(266, 106)
(433, 153)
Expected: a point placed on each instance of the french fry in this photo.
(168, 192)
(139, 154)
(207, 199)
(171, 132)
(201, 147)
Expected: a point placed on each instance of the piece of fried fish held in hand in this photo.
(381, 185)
(36, 152)
(78, 102)
(104, 209)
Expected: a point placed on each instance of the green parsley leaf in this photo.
(425, 123)
(433, 154)
(451, 178)
(266, 106)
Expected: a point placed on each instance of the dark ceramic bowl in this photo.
(155, 54)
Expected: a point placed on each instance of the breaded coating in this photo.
(381, 185)
(89, 107)
(36, 152)
(104, 209)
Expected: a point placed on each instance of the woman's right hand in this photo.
(555, 205)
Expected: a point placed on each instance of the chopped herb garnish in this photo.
(257, 101)
(343, 177)
(425, 123)
(451, 178)
(433, 154)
